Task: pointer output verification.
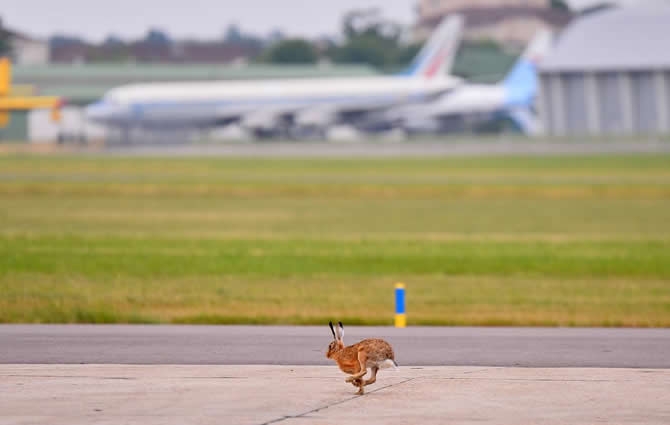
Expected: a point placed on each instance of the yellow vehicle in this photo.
(10, 101)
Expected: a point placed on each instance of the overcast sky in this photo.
(130, 19)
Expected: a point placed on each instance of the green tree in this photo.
(362, 50)
(5, 45)
(292, 51)
(406, 53)
(370, 39)
(558, 4)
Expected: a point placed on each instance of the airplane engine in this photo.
(262, 120)
(317, 117)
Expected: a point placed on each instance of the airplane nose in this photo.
(94, 111)
(101, 112)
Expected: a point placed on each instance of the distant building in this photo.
(26, 50)
(144, 52)
(508, 22)
(609, 74)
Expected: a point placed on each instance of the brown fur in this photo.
(356, 359)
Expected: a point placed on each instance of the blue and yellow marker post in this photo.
(400, 316)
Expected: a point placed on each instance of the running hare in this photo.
(356, 359)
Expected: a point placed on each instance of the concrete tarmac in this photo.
(121, 394)
(306, 345)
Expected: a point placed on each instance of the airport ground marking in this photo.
(337, 403)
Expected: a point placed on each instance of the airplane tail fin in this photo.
(521, 84)
(437, 55)
(525, 70)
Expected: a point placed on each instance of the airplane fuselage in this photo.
(201, 103)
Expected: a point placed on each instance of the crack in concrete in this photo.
(211, 377)
(302, 415)
(477, 370)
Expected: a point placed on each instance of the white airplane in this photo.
(514, 97)
(262, 107)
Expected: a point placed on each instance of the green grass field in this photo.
(565, 241)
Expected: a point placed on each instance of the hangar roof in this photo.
(579, 6)
(621, 38)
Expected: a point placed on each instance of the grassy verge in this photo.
(487, 241)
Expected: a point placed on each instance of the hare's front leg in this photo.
(361, 391)
(362, 359)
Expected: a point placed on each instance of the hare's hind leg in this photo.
(373, 378)
(362, 359)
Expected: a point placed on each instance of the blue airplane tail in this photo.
(522, 82)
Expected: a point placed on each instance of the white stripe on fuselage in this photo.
(274, 89)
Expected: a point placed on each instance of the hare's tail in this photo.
(388, 363)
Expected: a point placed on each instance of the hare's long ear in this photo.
(332, 330)
(341, 329)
